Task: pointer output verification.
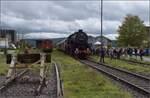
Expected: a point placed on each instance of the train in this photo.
(46, 45)
(76, 45)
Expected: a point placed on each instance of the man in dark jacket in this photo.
(135, 52)
(102, 55)
(130, 51)
(141, 53)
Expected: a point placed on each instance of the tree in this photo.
(132, 32)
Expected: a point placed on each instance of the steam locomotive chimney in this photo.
(80, 30)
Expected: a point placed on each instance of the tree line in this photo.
(133, 33)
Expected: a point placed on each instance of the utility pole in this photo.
(101, 23)
(102, 54)
(5, 34)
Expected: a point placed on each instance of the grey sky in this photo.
(64, 17)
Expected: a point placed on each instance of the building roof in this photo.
(103, 37)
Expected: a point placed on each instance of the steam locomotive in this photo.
(76, 45)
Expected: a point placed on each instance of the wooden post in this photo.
(42, 67)
(11, 67)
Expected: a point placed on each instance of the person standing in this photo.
(141, 53)
(135, 52)
(115, 53)
(111, 54)
(102, 55)
(107, 52)
(130, 52)
(119, 53)
(125, 54)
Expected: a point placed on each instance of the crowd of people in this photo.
(117, 53)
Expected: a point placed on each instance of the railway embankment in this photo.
(80, 81)
(137, 68)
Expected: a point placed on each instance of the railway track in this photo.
(138, 83)
(9, 81)
(28, 84)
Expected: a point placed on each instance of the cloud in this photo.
(65, 17)
(43, 35)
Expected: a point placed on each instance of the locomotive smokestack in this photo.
(80, 30)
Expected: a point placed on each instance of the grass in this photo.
(3, 65)
(125, 65)
(147, 56)
(80, 81)
(134, 59)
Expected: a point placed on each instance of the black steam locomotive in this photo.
(76, 45)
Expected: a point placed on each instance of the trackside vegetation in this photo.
(122, 64)
(134, 59)
(3, 65)
(80, 81)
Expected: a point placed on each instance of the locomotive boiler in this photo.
(76, 45)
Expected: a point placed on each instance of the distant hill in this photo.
(56, 40)
(91, 40)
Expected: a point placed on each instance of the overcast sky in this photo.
(60, 18)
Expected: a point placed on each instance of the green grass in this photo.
(148, 56)
(125, 65)
(134, 59)
(3, 65)
(80, 81)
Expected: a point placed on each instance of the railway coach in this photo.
(46, 45)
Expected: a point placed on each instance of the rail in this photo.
(10, 80)
(123, 70)
(138, 86)
(58, 79)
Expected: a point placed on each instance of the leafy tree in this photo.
(132, 32)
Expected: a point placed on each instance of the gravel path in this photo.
(25, 86)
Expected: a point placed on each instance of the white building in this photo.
(7, 36)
